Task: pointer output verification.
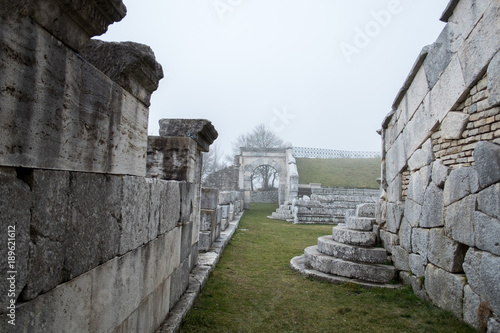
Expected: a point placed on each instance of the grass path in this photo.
(254, 290)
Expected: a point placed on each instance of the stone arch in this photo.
(281, 159)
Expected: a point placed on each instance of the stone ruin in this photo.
(350, 254)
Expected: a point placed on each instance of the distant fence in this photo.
(331, 153)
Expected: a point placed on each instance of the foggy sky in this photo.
(320, 73)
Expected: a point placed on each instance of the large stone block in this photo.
(445, 289)
(360, 223)
(420, 242)
(67, 117)
(366, 210)
(472, 303)
(459, 220)
(209, 198)
(490, 279)
(66, 308)
(460, 183)
(179, 282)
(208, 220)
(400, 258)
(394, 216)
(472, 269)
(172, 158)
(480, 46)
(487, 157)
(493, 82)
(353, 237)
(16, 201)
(74, 22)
(394, 193)
(389, 240)
(348, 252)
(440, 173)
(487, 233)
(439, 56)
(422, 157)
(413, 212)
(134, 214)
(453, 125)
(132, 65)
(432, 210)
(418, 184)
(199, 130)
(444, 252)
(417, 264)
(405, 235)
(170, 208)
(488, 201)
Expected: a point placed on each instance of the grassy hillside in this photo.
(340, 172)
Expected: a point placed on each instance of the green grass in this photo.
(254, 290)
(340, 172)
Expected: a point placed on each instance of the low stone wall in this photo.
(271, 197)
(439, 214)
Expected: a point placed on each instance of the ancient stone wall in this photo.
(265, 196)
(439, 213)
(96, 246)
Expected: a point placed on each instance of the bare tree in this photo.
(213, 161)
(260, 137)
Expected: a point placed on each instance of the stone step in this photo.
(298, 264)
(364, 271)
(360, 223)
(373, 255)
(344, 235)
(315, 218)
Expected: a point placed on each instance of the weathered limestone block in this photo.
(367, 272)
(74, 22)
(67, 117)
(170, 207)
(480, 46)
(400, 258)
(472, 269)
(93, 232)
(418, 184)
(459, 220)
(420, 242)
(445, 289)
(422, 157)
(360, 223)
(453, 125)
(432, 210)
(405, 235)
(465, 14)
(208, 220)
(66, 308)
(172, 158)
(490, 280)
(179, 282)
(327, 245)
(416, 283)
(394, 216)
(487, 157)
(394, 190)
(225, 211)
(353, 237)
(366, 210)
(209, 198)
(187, 193)
(489, 201)
(417, 264)
(388, 240)
(225, 197)
(186, 237)
(413, 212)
(444, 252)
(381, 213)
(487, 233)
(493, 82)
(440, 173)
(439, 56)
(200, 130)
(396, 158)
(16, 201)
(132, 65)
(460, 183)
(134, 214)
(471, 305)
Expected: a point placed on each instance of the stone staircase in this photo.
(284, 212)
(349, 254)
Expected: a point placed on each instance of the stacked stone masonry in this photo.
(439, 212)
(99, 247)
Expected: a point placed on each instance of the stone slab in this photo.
(487, 157)
(446, 290)
(327, 245)
(345, 235)
(444, 252)
(360, 223)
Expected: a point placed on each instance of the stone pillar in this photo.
(177, 155)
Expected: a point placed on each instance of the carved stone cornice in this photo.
(132, 65)
(200, 130)
(74, 21)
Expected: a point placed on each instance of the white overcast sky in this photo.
(320, 73)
